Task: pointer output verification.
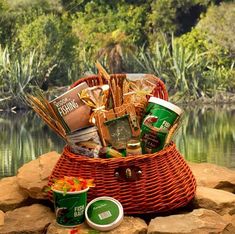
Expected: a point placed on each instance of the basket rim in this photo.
(92, 76)
(67, 152)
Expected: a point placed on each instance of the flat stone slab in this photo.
(130, 225)
(12, 196)
(33, 176)
(213, 176)
(200, 221)
(218, 200)
(29, 219)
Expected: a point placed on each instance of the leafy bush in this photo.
(174, 16)
(18, 74)
(98, 22)
(218, 26)
(14, 14)
(55, 42)
(53, 39)
(187, 71)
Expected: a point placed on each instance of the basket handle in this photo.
(128, 173)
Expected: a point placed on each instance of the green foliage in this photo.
(218, 26)
(18, 72)
(178, 66)
(197, 39)
(174, 16)
(53, 39)
(63, 39)
(187, 71)
(97, 22)
(16, 13)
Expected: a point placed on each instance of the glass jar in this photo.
(133, 147)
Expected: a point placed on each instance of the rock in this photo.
(213, 176)
(12, 196)
(29, 219)
(129, 225)
(33, 176)
(198, 221)
(220, 201)
(53, 228)
(2, 215)
(229, 218)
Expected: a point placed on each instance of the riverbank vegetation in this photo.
(189, 44)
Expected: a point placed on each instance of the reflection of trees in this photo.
(23, 138)
(208, 135)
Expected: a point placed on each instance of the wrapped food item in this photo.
(116, 86)
(72, 184)
(136, 89)
(95, 97)
(85, 142)
(109, 152)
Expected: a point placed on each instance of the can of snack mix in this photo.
(159, 117)
(70, 207)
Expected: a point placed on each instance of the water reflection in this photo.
(23, 138)
(207, 135)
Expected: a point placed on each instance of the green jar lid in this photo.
(104, 213)
(166, 104)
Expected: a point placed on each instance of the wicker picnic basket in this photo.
(142, 183)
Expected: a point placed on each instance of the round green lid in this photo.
(166, 104)
(104, 213)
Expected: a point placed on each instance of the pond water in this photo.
(207, 135)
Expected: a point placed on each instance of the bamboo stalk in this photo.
(103, 72)
(44, 110)
(49, 123)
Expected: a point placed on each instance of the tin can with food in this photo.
(160, 116)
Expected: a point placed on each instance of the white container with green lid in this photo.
(160, 116)
(104, 213)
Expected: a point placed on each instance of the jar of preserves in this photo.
(133, 147)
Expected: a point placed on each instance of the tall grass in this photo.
(186, 72)
(19, 73)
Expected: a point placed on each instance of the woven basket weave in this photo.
(157, 182)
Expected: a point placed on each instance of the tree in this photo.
(14, 14)
(218, 24)
(54, 41)
(174, 16)
(115, 47)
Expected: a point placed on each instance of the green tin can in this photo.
(70, 207)
(160, 115)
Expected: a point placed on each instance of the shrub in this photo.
(218, 26)
(14, 14)
(53, 39)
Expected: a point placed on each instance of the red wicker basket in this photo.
(143, 184)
